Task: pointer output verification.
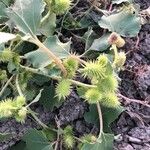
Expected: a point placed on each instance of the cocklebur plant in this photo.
(14, 108)
(59, 7)
(68, 137)
(105, 81)
(54, 62)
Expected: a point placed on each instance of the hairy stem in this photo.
(82, 84)
(100, 120)
(51, 55)
(39, 121)
(78, 59)
(58, 78)
(16, 46)
(5, 86)
(17, 86)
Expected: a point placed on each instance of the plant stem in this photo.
(51, 55)
(3, 28)
(18, 87)
(5, 86)
(39, 121)
(78, 59)
(82, 84)
(100, 120)
(16, 46)
(58, 78)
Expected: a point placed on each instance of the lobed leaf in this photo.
(109, 115)
(39, 59)
(36, 140)
(26, 14)
(125, 23)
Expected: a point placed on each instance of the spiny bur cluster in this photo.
(89, 138)
(71, 66)
(7, 55)
(63, 88)
(59, 7)
(68, 137)
(102, 76)
(3, 75)
(14, 108)
(119, 60)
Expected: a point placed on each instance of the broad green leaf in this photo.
(26, 14)
(48, 25)
(125, 22)
(20, 146)
(89, 37)
(37, 98)
(92, 115)
(36, 140)
(103, 143)
(3, 6)
(88, 21)
(109, 115)
(39, 59)
(2, 46)
(50, 135)
(48, 98)
(4, 136)
(5, 37)
(2, 10)
(100, 44)
(121, 1)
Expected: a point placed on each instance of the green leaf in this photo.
(109, 115)
(20, 146)
(48, 98)
(39, 59)
(121, 1)
(103, 143)
(37, 98)
(100, 44)
(3, 6)
(50, 135)
(2, 10)
(48, 25)
(26, 14)
(36, 140)
(125, 22)
(2, 47)
(92, 115)
(5, 37)
(89, 37)
(4, 136)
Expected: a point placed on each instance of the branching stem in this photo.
(83, 84)
(51, 55)
(17, 86)
(5, 86)
(58, 78)
(100, 120)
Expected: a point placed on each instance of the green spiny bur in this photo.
(63, 88)
(68, 137)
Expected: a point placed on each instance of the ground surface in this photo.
(133, 126)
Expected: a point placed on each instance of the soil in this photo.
(132, 128)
